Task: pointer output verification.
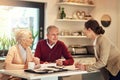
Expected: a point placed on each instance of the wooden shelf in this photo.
(72, 20)
(72, 37)
(75, 4)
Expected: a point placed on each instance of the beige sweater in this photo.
(14, 60)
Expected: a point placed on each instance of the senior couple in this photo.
(51, 50)
(47, 51)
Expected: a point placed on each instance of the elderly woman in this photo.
(20, 54)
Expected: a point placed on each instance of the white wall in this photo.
(109, 7)
(118, 40)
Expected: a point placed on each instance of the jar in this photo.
(62, 14)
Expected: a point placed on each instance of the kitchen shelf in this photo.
(74, 19)
(71, 20)
(75, 4)
(72, 37)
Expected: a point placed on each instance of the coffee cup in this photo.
(31, 65)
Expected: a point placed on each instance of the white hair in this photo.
(21, 33)
(51, 27)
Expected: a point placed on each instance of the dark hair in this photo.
(93, 24)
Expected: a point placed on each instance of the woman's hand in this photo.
(37, 66)
(80, 66)
(36, 60)
(26, 66)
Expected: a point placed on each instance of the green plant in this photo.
(5, 43)
(11, 42)
(34, 35)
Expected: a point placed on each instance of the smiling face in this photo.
(24, 37)
(52, 35)
(28, 40)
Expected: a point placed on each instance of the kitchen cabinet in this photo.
(72, 25)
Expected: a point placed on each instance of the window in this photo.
(21, 14)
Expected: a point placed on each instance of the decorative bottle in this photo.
(63, 14)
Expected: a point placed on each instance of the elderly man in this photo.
(51, 50)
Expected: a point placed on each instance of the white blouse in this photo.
(94, 44)
(22, 53)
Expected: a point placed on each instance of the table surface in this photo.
(31, 76)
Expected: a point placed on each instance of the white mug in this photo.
(31, 65)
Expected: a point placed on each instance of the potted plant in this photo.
(34, 35)
(5, 43)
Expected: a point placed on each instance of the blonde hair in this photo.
(21, 33)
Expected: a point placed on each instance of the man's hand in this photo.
(59, 62)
